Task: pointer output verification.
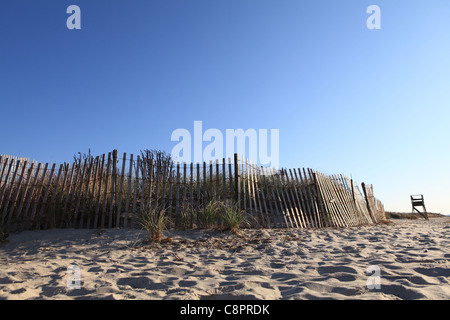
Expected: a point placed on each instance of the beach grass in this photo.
(155, 222)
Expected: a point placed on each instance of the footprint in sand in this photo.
(402, 292)
(341, 273)
(434, 272)
(142, 283)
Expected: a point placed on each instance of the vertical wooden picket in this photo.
(100, 185)
(86, 210)
(122, 178)
(16, 194)
(44, 201)
(105, 196)
(10, 190)
(129, 187)
(136, 192)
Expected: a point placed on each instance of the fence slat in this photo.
(177, 195)
(198, 187)
(79, 192)
(351, 196)
(306, 198)
(315, 195)
(86, 210)
(295, 199)
(217, 180)
(258, 193)
(157, 176)
(99, 194)
(263, 197)
(332, 198)
(5, 184)
(74, 196)
(283, 212)
(67, 198)
(330, 201)
(1, 167)
(230, 174)
(145, 176)
(205, 196)
(340, 209)
(50, 215)
(105, 196)
(10, 190)
(170, 195)
(292, 208)
(243, 180)
(127, 203)
(258, 209)
(119, 203)
(369, 208)
(248, 178)
(47, 190)
(136, 191)
(267, 203)
(290, 196)
(345, 200)
(224, 184)
(329, 219)
(25, 192)
(149, 172)
(38, 195)
(344, 195)
(163, 189)
(285, 197)
(113, 188)
(30, 197)
(252, 185)
(211, 192)
(4, 166)
(191, 209)
(237, 177)
(191, 169)
(298, 192)
(16, 193)
(184, 188)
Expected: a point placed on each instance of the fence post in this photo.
(237, 181)
(363, 185)
(323, 213)
(353, 190)
(112, 208)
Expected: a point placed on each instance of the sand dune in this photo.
(413, 257)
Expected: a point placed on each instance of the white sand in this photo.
(413, 257)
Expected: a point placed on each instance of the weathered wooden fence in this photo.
(110, 191)
(14, 160)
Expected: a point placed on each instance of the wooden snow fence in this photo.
(110, 191)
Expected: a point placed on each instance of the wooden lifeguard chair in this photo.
(417, 201)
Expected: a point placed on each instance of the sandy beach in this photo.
(412, 256)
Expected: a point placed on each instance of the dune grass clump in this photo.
(233, 218)
(214, 215)
(208, 216)
(155, 222)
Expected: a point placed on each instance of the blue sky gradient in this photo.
(374, 104)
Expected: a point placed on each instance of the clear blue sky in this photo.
(371, 103)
